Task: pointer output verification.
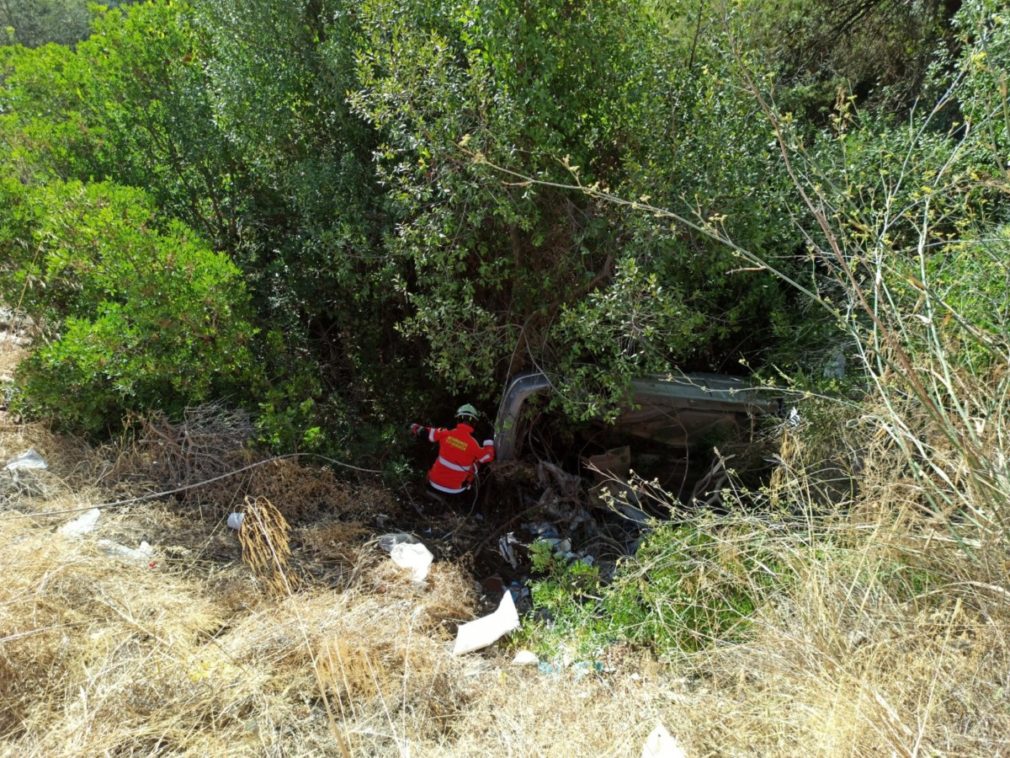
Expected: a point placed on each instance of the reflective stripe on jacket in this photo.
(458, 456)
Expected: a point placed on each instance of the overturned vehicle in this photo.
(679, 430)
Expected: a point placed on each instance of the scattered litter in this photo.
(235, 520)
(407, 552)
(520, 594)
(489, 629)
(584, 668)
(413, 556)
(141, 554)
(543, 530)
(27, 460)
(526, 658)
(546, 668)
(81, 525)
(476, 666)
(661, 744)
(505, 550)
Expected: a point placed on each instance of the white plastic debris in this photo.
(661, 744)
(526, 658)
(235, 520)
(27, 460)
(413, 556)
(489, 629)
(81, 525)
(505, 550)
(142, 554)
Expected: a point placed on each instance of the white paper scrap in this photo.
(489, 629)
(81, 525)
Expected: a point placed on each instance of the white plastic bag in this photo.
(388, 541)
(413, 556)
(526, 658)
(489, 629)
(27, 460)
(143, 554)
(661, 744)
(81, 525)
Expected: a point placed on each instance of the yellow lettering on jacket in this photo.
(458, 444)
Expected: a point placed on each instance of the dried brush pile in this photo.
(207, 461)
(209, 442)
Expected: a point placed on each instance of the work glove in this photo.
(416, 429)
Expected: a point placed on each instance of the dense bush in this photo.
(134, 317)
(425, 198)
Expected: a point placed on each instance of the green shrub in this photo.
(691, 585)
(687, 587)
(135, 316)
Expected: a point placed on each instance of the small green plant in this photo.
(566, 599)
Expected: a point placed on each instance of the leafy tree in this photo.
(491, 112)
(158, 97)
(879, 50)
(130, 105)
(315, 219)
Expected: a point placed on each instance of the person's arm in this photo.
(487, 452)
(432, 433)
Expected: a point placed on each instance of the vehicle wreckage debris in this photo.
(565, 517)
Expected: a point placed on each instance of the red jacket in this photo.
(458, 457)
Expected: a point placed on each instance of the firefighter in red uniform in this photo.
(459, 453)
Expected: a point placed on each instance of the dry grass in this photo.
(265, 546)
(891, 639)
(10, 356)
(102, 657)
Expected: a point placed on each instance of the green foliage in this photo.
(312, 219)
(566, 593)
(972, 279)
(421, 196)
(136, 317)
(350, 158)
(490, 113)
(983, 27)
(879, 49)
(689, 586)
(36, 22)
(618, 333)
(453, 86)
(129, 104)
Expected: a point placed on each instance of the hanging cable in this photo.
(184, 488)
